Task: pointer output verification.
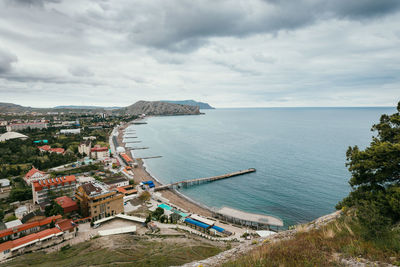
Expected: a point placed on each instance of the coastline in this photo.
(175, 197)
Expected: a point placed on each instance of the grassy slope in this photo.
(130, 251)
(323, 247)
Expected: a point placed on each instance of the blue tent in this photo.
(200, 224)
(218, 229)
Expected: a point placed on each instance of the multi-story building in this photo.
(42, 189)
(98, 201)
(98, 152)
(23, 126)
(85, 147)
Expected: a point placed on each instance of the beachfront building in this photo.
(99, 152)
(27, 125)
(258, 221)
(42, 189)
(85, 147)
(98, 201)
(34, 175)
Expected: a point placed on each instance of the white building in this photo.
(23, 126)
(85, 147)
(98, 152)
(12, 135)
(70, 131)
(34, 175)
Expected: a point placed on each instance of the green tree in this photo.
(54, 209)
(375, 177)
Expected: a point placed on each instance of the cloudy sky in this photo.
(230, 53)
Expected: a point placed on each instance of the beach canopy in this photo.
(200, 224)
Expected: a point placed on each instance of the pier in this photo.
(203, 180)
(152, 157)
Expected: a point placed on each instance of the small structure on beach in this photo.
(247, 218)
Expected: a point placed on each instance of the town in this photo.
(66, 178)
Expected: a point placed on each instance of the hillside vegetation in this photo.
(369, 228)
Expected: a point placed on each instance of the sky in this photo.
(229, 53)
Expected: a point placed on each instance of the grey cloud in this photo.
(186, 26)
(80, 71)
(6, 61)
(32, 3)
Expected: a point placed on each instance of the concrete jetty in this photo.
(203, 180)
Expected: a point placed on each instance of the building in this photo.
(126, 159)
(98, 152)
(64, 229)
(47, 148)
(27, 228)
(13, 224)
(33, 216)
(12, 135)
(116, 182)
(70, 131)
(59, 185)
(67, 204)
(20, 212)
(98, 201)
(34, 175)
(5, 188)
(89, 138)
(85, 147)
(27, 125)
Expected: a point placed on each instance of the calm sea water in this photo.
(299, 154)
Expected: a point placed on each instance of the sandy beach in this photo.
(140, 174)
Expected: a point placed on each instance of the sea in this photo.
(299, 155)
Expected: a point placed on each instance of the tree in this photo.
(375, 176)
(54, 209)
(145, 196)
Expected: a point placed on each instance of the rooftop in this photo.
(32, 238)
(250, 217)
(95, 188)
(32, 172)
(22, 227)
(11, 135)
(38, 185)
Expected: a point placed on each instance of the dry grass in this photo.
(321, 248)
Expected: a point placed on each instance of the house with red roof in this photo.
(47, 148)
(34, 175)
(67, 204)
(41, 188)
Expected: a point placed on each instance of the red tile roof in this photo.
(27, 239)
(67, 204)
(58, 181)
(32, 172)
(57, 150)
(26, 226)
(49, 149)
(45, 147)
(99, 149)
(126, 157)
(65, 225)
